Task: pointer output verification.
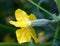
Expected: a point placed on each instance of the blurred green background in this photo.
(7, 31)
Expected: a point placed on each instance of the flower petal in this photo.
(23, 35)
(19, 24)
(33, 34)
(14, 23)
(21, 15)
(32, 17)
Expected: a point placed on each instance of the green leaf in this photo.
(7, 27)
(26, 44)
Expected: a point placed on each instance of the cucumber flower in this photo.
(26, 31)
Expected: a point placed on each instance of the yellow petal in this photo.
(14, 23)
(32, 17)
(21, 15)
(19, 24)
(33, 34)
(23, 35)
(23, 23)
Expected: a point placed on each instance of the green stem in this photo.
(41, 8)
(56, 33)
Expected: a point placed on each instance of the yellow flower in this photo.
(26, 32)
